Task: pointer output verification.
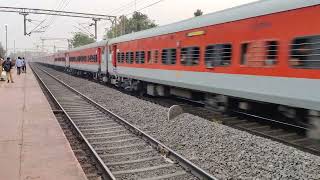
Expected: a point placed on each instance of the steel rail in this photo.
(168, 152)
(106, 173)
(271, 120)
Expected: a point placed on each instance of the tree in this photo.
(198, 13)
(2, 51)
(80, 39)
(137, 22)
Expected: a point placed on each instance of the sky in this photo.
(163, 12)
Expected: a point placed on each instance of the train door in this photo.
(112, 59)
(114, 56)
(104, 60)
(99, 59)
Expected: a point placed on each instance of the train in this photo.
(259, 57)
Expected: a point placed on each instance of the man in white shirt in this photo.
(19, 64)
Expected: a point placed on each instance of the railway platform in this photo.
(32, 144)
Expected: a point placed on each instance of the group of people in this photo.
(7, 65)
(21, 65)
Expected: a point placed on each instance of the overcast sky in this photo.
(165, 12)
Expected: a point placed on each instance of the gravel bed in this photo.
(225, 152)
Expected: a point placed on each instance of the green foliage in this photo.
(137, 22)
(80, 39)
(198, 13)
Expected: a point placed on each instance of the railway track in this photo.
(289, 134)
(121, 150)
(89, 167)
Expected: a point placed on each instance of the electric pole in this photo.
(95, 24)
(25, 23)
(6, 29)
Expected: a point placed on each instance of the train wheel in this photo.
(217, 102)
(314, 117)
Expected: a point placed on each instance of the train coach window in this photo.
(156, 56)
(118, 57)
(169, 56)
(149, 57)
(122, 57)
(190, 56)
(137, 57)
(305, 52)
(272, 52)
(218, 55)
(244, 51)
(140, 57)
(259, 53)
(129, 57)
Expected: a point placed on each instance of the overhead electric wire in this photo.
(124, 7)
(47, 17)
(150, 5)
(137, 6)
(65, 4)
(86, 28)
(84, 32)
(36, 27)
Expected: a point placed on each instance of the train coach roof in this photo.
(88, 46)
(259, 8)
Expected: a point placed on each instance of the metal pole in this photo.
(25, 23)
(6, 29)
(115, 28)
(95, 28)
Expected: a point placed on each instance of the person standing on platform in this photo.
(19, 64)
(7, 66)
(24, 67)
